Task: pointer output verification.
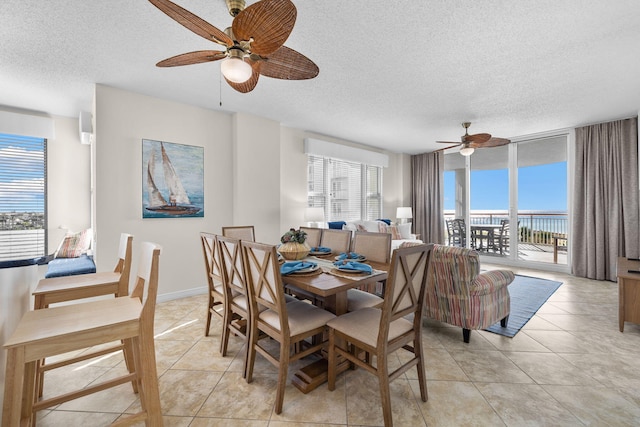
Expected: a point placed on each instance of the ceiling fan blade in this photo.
(268, 22)
(478, 138)
(196, 57)
(493, 142)
(449, 142)
(193, 22)
(250, 84)
(288, 64)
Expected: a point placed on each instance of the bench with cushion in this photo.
(70, 266)
(71, 257)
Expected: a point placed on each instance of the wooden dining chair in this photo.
(377, 248)
(242, 232)
(338, 240)
(53, 331)
(236, 303)
(71, 288)
(214, 278)
(381, 332)
(287, 323)
(314, 236)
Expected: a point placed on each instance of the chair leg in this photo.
(504, 321)
(331, 374)
(149, 380)
(285, 348)
(385, 393)
(422, 378)
(224, 339)
(129, 361)
(466, 333)
(209, 314)
(252, 341)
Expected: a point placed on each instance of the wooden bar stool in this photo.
(71, 288)
(52, 331)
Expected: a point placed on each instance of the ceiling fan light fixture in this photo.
(466, 150)
(234, 68)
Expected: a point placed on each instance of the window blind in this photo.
(346, 190)
(22, 197)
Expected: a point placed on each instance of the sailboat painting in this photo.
(173, 176)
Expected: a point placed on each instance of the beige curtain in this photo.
(426, 200)
(605, 208)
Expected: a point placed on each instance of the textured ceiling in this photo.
(397, 75)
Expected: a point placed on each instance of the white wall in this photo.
(123, 119)
(256, 175)
(68, 181)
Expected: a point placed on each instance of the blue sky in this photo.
(541, 187)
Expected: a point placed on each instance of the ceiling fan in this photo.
(254, 44)
(479, 140)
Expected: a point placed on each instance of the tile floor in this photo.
(569, 366)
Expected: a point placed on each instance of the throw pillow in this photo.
(74, 244)
(361, 227)
(395, 233)
(405, 230)
(371, 226)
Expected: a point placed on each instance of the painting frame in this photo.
(172, 180)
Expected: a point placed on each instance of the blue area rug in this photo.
(527, 296)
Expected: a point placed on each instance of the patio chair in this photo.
(459, 232)
(458, 294)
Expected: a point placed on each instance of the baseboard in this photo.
(182, 294)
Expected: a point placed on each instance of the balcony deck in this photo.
(535, 253)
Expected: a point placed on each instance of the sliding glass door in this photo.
(512, 200)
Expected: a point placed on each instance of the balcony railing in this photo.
(534, 227)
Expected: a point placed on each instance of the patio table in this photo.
(481, 233)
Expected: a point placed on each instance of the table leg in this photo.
(315, 374)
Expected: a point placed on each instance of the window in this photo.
(346, 190)
(23, 217)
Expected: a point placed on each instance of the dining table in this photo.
(331, 285)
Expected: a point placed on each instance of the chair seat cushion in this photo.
(302, 316)
(70, 266)
(357, 300)
(364, 325)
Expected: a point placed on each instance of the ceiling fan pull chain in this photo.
(220, 88)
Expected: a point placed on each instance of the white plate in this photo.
(362, 258)
(316, 253)
(306, 270)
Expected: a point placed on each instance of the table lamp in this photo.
(403, 214)
(314, 215)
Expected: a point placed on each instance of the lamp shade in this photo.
(314, 214)
(404, 212)
(236, 70)
(467, 151)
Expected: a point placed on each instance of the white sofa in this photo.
(402, 231)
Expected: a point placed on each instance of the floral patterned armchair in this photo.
(458, 294)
